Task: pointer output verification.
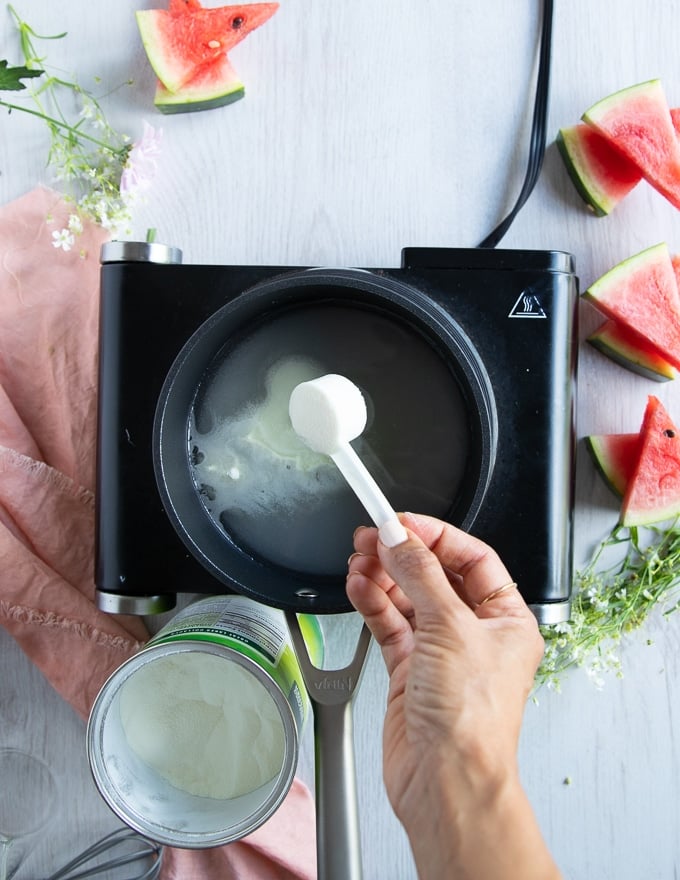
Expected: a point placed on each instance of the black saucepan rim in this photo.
(230, 564)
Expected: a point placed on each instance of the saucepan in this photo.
(274, 522)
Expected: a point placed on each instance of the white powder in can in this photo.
(204, 724)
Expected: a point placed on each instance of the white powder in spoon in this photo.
(204, 724)
(327, 412)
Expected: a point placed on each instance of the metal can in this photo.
(194, 741)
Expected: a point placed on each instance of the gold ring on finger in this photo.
(512, 585)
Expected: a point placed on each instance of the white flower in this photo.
(105, 221)
(578, 619)
(87, 111)
(612, 660)
(63, 239)
(593, 673)
(75, 224)
(576, 653)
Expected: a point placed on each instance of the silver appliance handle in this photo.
(331, 692)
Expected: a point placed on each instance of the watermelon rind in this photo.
(601, 174)
(182, 102)
(641, 293)
(637, 120)
(632, 351)
(653, 491)
(213, 87)
(615, 457)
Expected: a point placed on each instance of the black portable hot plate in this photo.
(467, 359)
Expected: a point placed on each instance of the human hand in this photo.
(460, 670)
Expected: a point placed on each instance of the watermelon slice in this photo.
(601, 174)
(615, 456)
(185, 39)
(631, 351)
(641, 294)
(215, 86)
(638, 121)
(653, 491)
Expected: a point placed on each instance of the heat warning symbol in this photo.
(527, 306)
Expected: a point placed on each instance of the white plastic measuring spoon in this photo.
(328, 412)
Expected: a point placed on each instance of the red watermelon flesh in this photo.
(631, 351)
(601, 173)
(213, 86)
(615, 456)
(675, 260)
(638, 120)
(641, 293)
(186, 38)
(180, 6)
(653, 491)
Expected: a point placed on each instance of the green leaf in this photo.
(10, 77)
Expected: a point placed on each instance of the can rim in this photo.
(146, 825)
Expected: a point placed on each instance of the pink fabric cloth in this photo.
(48, 354)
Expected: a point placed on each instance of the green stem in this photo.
(24, 31)
(52, 121)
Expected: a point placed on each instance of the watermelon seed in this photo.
(669, 433)
(237, 22)
(214, 44)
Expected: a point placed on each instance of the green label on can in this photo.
(256, 631)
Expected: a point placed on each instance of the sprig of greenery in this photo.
(87, 155)
(612, 601)
(10, 77)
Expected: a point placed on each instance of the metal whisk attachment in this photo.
(125, 847)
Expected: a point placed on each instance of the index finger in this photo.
(478, 568)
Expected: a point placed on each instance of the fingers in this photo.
(470, 565)
(479, 566)
(421, 576)
(370, 566)
(383, 606)
(442, 577)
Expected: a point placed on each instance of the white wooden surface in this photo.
(367, 127)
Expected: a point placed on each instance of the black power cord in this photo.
(538, 129)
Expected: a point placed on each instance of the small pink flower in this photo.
(140, 167)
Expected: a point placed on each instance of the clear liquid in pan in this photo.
(274, 497)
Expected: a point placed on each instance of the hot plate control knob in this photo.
(139, 252)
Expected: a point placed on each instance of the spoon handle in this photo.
(370, 494)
